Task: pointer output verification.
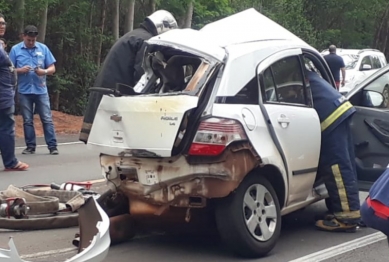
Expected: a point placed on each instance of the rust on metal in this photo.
(181, 181)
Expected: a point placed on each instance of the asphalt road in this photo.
(299, 239)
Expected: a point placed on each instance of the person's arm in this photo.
(49, 64)
(12, 57)
(343, 69)
(48, 71)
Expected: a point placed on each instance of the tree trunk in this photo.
(152, 5)
(189, 15)
(116, 20)
(20, 7)
(129, 23)
(103, 14)
(43, 23)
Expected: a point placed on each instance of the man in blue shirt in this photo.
(336, 64)
(33, 62)
(7, 106)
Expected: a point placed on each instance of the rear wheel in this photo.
(249, 220)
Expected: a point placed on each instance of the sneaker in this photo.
(28, 151)
(53, 151)
(334, 225)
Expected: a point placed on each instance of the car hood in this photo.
(367, 81)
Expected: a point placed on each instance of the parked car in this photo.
(209, 126)
(359, 65)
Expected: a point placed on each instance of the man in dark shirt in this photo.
(7, 107)
(336, 65)
(123, 64)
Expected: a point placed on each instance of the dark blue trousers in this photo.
(337, 167)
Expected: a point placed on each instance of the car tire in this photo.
(232, 215)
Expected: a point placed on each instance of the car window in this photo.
(366, 61)
(380, 85)
(283, 82)
(376, 62)
(383, 60)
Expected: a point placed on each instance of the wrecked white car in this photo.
(223, 118)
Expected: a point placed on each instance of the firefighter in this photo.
(123, 64)
(337, 160)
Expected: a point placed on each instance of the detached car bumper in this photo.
(94, 236)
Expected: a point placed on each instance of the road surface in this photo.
(299, 240)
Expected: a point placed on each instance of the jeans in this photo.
(7, 137)
(42, 107)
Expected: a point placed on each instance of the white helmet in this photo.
(163, 21)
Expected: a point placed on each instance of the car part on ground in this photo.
(94, 236)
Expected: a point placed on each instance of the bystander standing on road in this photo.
(7, 106)
(336, 64)
(33, 62)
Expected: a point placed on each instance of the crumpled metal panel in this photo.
(94, 237)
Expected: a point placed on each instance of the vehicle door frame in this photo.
(365, 83)
(260, 68)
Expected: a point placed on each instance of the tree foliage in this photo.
(81, 32)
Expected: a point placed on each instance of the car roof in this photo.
(247, 26)
(343, 51)
(238, 31)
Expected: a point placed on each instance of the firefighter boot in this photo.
(331, 224)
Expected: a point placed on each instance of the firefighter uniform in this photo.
(337, 159)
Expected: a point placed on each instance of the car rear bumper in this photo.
(180, 181)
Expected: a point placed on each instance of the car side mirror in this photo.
(366, 67)
(372, 99)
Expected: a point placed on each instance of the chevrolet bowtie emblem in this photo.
(116, 118)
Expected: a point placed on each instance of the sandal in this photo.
(20, 166)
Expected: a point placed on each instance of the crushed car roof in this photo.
(243, 27)
(247, 26)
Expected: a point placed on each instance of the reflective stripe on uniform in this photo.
(335, 115)
(346, 213)
(341, 189)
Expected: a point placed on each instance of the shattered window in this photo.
(175, 71)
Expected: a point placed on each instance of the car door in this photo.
(295, 124)
(370, 128)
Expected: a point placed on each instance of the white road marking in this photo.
(342, 248)
(59, 144)
(49, 253)
(72, 249)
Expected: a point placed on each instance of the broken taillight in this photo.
(214, 135)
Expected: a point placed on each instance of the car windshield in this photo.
(350, 61)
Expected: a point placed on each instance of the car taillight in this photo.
(214, 135)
